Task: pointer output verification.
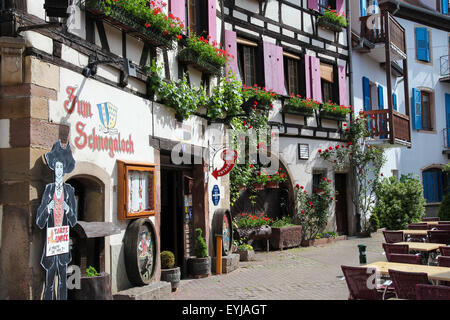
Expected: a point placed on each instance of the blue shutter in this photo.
(440, 187)
(422, 44)
(416, 109)
(427, 185)
(363, 6)
(366, 94)
(444, 6)
(447, 113)
(380, 98)
(394, 101)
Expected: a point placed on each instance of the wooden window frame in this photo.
(196, 9)
(334, 84)
(123, 168)
(429, 125)
(300, 83)
(242, 63)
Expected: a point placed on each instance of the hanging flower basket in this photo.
(127, 22)
(258, 186)
(307, 112)
(332, 116)
(190, 57)
(329, 25)
(272, 185)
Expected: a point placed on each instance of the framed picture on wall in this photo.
(135, 190)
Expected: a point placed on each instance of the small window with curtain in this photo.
(434, 185)
(292, 71)
(197, 17)
(426, 111)
(327, 75)
(247, 51)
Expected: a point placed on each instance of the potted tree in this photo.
(200, 266)
(169, 272)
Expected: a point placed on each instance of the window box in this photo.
(129, 23)
(332, 116)
(329, 25)
(190, 57)
(307, 112)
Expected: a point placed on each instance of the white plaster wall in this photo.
(4, 133)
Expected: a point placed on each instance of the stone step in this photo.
(160, 290)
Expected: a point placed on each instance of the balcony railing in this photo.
(445, 66)
(373, 28)
(380, 127)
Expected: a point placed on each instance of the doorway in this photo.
(341, 203)
(177, 214)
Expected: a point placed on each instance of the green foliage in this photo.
(399, 202)
(279, 177)
(167, 260)
(263, 96)
(374, 222)
(366, 162)
(226, 99)
(245, 247)
(91, 272)
(302, 104)
(333, 17)
(207, 51)
(152, 15)
(201, 250)
(246, 220)
(328, 234)
(283, 222)
(336, 109)
(444, 209)
(313, 210)
(239, 177)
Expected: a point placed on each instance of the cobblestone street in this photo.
(312, 273)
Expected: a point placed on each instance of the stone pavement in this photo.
(312, 273)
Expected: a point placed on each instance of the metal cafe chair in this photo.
(357, 279)
(395, 248)
(445, 251)
(427, 219)
(405, 283)
(418, 226)
(404, 258)
(443, 227)
(431, 292)
(439, 236)
(393, 236)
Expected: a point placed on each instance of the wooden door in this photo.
(341, 204)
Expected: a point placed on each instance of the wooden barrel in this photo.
(171, 275)
(199, 266)
(140, 247)
(222, 225)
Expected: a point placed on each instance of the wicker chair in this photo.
(405, 283)
(431, 219)
(418, 226)
(445, 251)
(404, 258)
(395, 248)
(439, 236)
(357, 279)
(430, 292)
(393, 236)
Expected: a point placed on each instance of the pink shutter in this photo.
(340, 6)
(342, 86)
(273, 68)
(177, 8)
(212, 23)
(308, 76)
(278, 71)
(313, 4)
(231, 47)
(315, 79)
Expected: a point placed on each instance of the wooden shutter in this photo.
(417, 109)
(313, 5)
(212, 23)
(308, 76)
(366, 94)
(444, 6)
(427, 186)
(340, 6)
(363, 7)
(422, 44)
(178, 9)
(316, 83)
(380, 98)
(432, 185)
(394, 101)
(231, 47)
(273, 68)
(342, 85)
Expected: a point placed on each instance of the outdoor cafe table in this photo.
(423, 246)
(434, 273)
(415, 232)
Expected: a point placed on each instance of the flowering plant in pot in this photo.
(297, 105)
(313, 209)
(259, 181)
(257, 98)
(274, 180)
(249, 226)
(169, 272)
(333, 111)
(333, 20)
(246, 252)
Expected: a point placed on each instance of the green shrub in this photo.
(201, 250)
(245, 247)
(374, 223)
(167, 260)
(91, 272)
(444, 209)
(283, 222)
(400, 202)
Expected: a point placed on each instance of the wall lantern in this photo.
(57, 8)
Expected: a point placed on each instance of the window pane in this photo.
(293, 76)
(327, 91)
(426, 116)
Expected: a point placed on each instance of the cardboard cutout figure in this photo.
(57, 211)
